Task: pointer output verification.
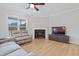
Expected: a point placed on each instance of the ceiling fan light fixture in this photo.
(32, 6)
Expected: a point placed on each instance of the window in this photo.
(13, 25)
(16, 24)
(22, 25)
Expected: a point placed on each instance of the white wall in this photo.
(3, 24)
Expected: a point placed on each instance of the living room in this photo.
(49, 15)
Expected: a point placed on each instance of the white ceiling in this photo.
(47, 10)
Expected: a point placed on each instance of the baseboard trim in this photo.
(77, 43)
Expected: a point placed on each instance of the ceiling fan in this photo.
(34, 5)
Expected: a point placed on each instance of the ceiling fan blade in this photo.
(38, 3)
(36, 8)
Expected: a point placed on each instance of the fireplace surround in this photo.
(39, 34)
(46, 32)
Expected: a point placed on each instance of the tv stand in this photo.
(59, 38)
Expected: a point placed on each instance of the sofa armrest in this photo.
(2, 40)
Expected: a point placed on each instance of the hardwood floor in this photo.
(44, 47)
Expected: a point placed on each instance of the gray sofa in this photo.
(21, 37)
(10, 48)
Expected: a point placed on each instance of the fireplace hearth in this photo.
(39, 34)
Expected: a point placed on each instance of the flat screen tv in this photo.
(58, 30)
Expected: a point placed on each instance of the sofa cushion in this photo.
(8, 47)
(24, 34)
(23, 38)
(19, 52)
(16, 35)
(3, 40)
(8, 43)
